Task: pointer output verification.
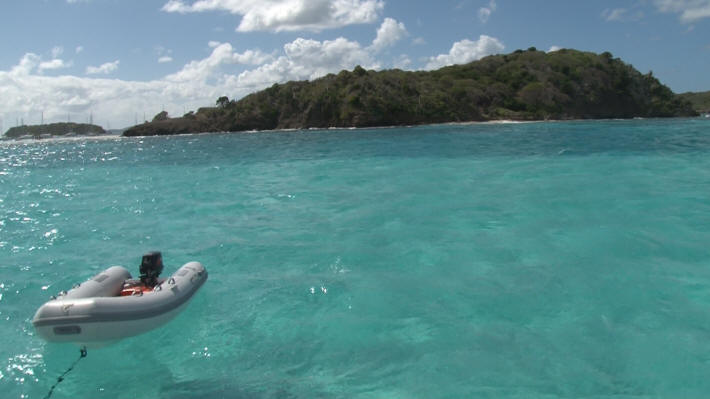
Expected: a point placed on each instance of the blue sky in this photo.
(117, 60)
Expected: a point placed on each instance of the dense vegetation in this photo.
(524, 85)
(700, 101)
(54, 129)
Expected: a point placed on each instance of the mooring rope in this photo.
(82, 355)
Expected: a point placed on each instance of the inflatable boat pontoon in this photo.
(111, 306)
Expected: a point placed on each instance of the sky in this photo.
(119, 62)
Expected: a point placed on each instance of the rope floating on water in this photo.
(82, 354)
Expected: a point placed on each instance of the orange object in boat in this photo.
(138, 289)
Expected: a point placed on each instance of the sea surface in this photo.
(536, 260)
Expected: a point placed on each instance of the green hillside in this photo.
(524, 85)
(700, 101)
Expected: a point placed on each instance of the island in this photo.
(524, 85)
(54, 130)
(700, 101)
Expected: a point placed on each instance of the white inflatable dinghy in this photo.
(111, 306)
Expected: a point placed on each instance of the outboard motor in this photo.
(151, 267)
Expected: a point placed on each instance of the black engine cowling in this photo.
(151, 267)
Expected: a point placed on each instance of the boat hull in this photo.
(104, 317)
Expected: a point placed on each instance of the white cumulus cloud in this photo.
(164, 54)
(55, 63)
(689, 10)
(307, 59)
(27, 64)
(465, 51)
(31, 63)
(222, 54)
(105, 68)
(615, 14)
(27, 92)
(635, 13)
(484, 13)
(287, 15)
(389, 33)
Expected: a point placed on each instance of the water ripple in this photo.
(528, 260)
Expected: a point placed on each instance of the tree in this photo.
(161, 116)
(359, 71)
(223, 101)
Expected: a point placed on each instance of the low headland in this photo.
(54, 130)
(700, 101)
(524, 86)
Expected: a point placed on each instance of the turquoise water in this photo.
(466, 261)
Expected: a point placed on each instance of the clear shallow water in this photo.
(490, 260)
